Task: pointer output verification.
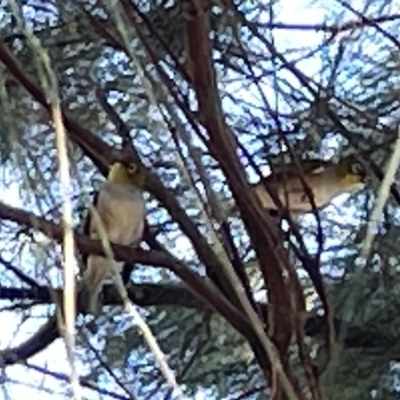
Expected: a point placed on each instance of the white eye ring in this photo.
(132, 168)
(356, 168)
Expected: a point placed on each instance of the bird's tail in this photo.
(91, 285)
(89, 299)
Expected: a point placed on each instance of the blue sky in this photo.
(291, 12)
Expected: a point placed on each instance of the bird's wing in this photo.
(290, 171)
(122, 211)
(87, 226)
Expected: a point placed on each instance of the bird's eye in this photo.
(131, 168)
(356, 168)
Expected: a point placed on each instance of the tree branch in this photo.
(205, 291)
(102, 155)
(143, 295)
(223, 146)
(174, 295)
(202, 289)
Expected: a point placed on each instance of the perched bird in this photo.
(325, 179)
(120, 206)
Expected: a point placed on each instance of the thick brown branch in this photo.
(222, 143)
(92, 146)
(142, 295)
(202, 289)
(123, 253)
(150, 295)
(102, 155)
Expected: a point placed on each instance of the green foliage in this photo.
(273, 98)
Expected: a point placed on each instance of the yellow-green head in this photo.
(326, 180)
(350, 172)
(126, 174)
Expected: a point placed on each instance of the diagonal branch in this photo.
(202, 289)
(267, 244)
(20, 274)
(127, 254)
(142, 294)
(83, 381)
(177, 295)
(102, 155)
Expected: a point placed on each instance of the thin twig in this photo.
(68, 312)
(68, 249)
(383, 195)
(84, 382)
(131, 309)
(21, 275)
(49, 82)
